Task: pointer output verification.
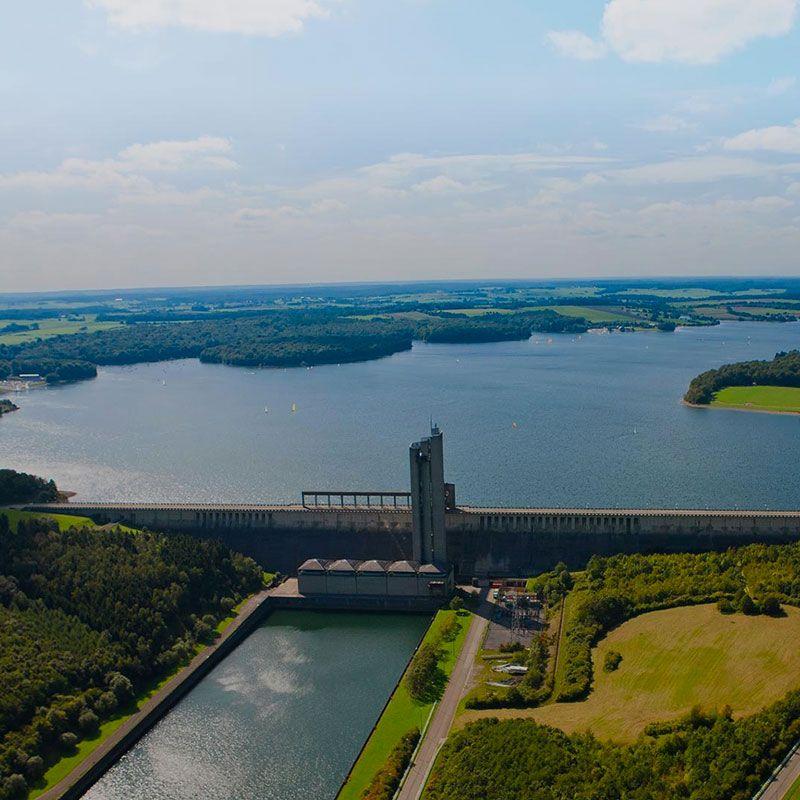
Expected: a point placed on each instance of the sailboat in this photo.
(266, 409)
(294, 407)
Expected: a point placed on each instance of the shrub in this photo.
(612, 661)
(385, 782)
(423, 673)
(34, 768)
(68, 741)
(456, 603)
(88, 722)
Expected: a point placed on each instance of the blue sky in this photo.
(164, 142)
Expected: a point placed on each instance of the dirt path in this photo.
(446, 709)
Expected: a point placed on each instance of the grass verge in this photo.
(402, 712)
(794, 791)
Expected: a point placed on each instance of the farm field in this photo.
(53, 327)
(785, 399)
(673, 660)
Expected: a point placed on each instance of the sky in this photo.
(198, 142)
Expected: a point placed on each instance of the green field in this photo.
(402, 713)
(593, 314)
(784, 399)
(65, 522)
(53, 327)
(673, 660)
(794, 792)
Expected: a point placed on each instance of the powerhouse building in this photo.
(373, 578)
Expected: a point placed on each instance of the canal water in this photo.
(282, 718)
(555, 420)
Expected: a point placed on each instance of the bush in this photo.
(612, 661)
(456, 603)
(34, 768)
(15, 787)
(68, 741)
(771, 605)
(422, 678)
(88, 722)
(385, 782)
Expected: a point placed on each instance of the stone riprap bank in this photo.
(480, 541)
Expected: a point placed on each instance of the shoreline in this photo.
(754, 410)
(99, 761)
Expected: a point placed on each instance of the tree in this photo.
(456, 603)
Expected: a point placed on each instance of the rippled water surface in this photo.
(282, 718)
(598, 422)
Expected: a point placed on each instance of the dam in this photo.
(475, 541)
(480, 541)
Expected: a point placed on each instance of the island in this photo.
(6, 407)
(767, 386)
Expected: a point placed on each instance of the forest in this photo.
(271, 339)
(87, 618)
(783, 370)
(706, 757)
(19, 487)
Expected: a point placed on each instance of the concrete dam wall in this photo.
(480, 541)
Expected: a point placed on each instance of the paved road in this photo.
(779, 788)
(446, 710)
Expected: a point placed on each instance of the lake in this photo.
(556, 420)
(281, 718)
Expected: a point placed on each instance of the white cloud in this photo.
(779, 86)
(700, 169)
(576, 44)
(250, 17)
(777, 138)
(667, 123)
(686, 31)
(206, 152)
(130, 170)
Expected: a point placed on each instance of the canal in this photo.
(282, 718)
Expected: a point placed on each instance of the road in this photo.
(446, 709)
(779, 788)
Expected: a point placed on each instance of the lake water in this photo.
(282, 718)
(598, 422)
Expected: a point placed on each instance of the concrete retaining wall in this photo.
(481, 541)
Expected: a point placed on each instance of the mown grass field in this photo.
(673, 660)
(783, 399)
(53, 327)
(794, 792)
(65, 522)
(402, 713)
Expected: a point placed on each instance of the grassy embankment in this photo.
(53, 327)
(777, 399)
(402, 713)
(673, 660)
(61, 768)
(794, 791)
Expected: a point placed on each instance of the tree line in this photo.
(90, 616)
(271, 339)
(20, 487)
(783, 370)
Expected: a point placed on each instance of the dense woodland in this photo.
(19, 487)
(270, 339)
(87, 618)
(708, 757)
(783, 370)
